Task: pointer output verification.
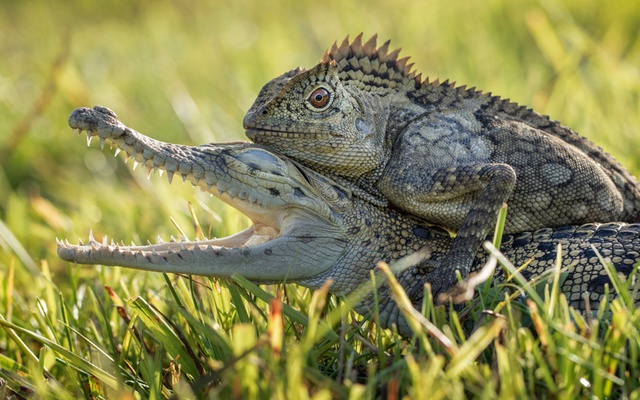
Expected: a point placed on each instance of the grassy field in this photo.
(186, 72)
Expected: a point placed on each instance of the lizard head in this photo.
(314, 108)
(333, 117)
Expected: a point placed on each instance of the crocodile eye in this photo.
(319, 98)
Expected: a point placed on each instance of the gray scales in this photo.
(307, 228)
(448, 154)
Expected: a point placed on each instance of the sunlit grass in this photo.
(186, 73)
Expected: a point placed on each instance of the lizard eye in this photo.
(319, 98)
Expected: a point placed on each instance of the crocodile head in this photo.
(294, 212)
(306, 228)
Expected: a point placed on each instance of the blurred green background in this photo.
(186, 71)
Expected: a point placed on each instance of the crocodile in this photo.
(451, 155)
(309, 229)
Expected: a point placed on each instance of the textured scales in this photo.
(309, 229)
(448, 154)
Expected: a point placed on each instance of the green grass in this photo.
(186, 72)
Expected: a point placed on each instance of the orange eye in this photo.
(319, 98)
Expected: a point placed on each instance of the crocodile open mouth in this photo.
(288, 217)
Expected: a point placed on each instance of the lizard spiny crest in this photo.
(372, 66)
(374, 69)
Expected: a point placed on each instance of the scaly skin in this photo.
(309, 229)
(448, 154)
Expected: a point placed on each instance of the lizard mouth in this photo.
(258, 134)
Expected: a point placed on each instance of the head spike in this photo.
(356, 46)
(370, 46)
(344, 48)
(393, 56)
(401, 63)
(408, 68)
(382, 50)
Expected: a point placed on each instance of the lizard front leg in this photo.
(464, 198)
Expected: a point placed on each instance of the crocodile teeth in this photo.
(89, 137)
(105, 242)
(160, 172)
(117, 151)
(102, 141)
(149, 171)
(170, 176)
(135, 164)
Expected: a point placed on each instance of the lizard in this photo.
(309, 229)
(449, 154)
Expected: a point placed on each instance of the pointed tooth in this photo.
(160, 172)
(135, 164)
(117, 152)
(133, 244)
(105, 241)
(184, 178)
(170, 176)
(89, 137)
(172, 239)
(159, 240)
(149, 171)
(149, 243)
(127, 157)
(102, 141)
(112, 242)
(78, 131)
(91, 239)
(80, 242)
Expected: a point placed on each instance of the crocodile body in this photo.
(309, 229)
(447, 154)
